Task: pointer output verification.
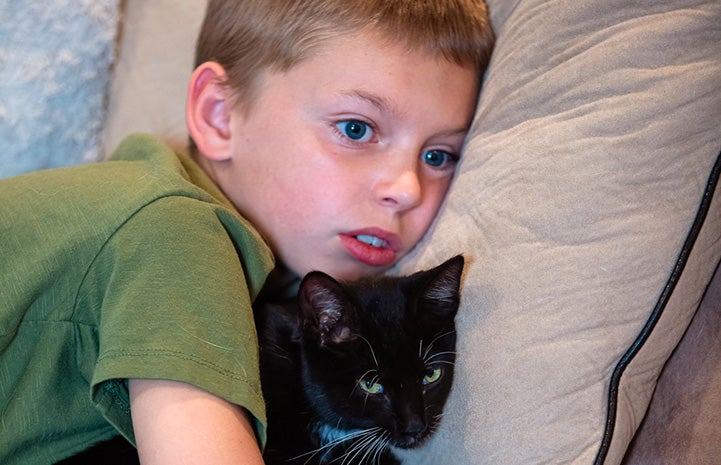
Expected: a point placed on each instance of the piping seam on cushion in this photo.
(646, 331)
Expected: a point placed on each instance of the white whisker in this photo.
(428, 349)
(381, 447)
(357, 447)
(330, 445)
(373, 354)
(372, 370)
(447, 362)
(429, 360)
(449, 352)
(369, 449)
(371, 455)
(363, 448)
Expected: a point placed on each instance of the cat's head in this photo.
(379, 352)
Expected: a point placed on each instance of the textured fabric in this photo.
(682, 425)
(55, 59)
(598, 126)
(151, 72)
(116, 270)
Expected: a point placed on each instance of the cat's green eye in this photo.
(371, 387)
(432, 375)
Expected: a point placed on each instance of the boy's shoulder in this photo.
(146, 160)
(145, 190)
(141, 170)
(96, 199)
(146, 152)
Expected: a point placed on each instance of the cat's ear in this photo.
(441, 291)
(324, 309)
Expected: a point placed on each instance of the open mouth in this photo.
(370, 247)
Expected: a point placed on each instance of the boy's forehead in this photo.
(377, 53)
(366, 57)
(379, 43)
(369, 72)
(364, 74)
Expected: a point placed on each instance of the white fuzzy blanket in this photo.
(55, 59)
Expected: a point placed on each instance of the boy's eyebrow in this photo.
(384, 106)
(377, 101)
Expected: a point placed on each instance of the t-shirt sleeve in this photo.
(170, 288)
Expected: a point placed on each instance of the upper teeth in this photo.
(372, 240)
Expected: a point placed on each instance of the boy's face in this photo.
(343, 161)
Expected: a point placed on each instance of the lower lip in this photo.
(366, 253)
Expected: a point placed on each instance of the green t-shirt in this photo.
(137, 267)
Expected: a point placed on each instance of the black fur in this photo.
(114, 451)
(393, 336)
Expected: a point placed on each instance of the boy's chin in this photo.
(341, 267)
(354, 271)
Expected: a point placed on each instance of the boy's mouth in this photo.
(373, 246)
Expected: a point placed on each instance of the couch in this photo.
(587, 205)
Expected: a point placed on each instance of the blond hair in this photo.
(248, 37)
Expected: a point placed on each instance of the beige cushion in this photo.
(596, 135)
(154, 62)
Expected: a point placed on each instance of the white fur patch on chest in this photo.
(331, 435)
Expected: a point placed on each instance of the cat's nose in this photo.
(413, 431)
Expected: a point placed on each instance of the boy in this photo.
(332, 127)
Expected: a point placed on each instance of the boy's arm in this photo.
(176, 423)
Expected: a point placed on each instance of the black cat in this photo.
(350, 370)
(357, 369)
(114, 451)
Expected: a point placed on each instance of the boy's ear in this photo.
(207, 111)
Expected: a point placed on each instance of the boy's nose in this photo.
(401, 189)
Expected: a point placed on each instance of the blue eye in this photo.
(355, 130)
(437, 158)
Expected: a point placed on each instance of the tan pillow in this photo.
(155, 59)
(582, 204)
